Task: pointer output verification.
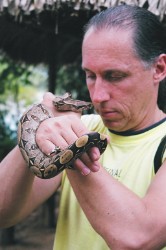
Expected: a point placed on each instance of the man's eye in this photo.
(90, 76)
(114, 76)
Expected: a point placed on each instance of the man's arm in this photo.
(20, 191)
(123, 219)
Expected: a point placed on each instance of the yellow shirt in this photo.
(129, 158)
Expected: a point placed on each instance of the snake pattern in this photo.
(44, 166)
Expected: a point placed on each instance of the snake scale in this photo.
(45, 166)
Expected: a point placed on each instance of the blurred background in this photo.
(40, 50)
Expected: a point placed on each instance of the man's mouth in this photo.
(108, 114)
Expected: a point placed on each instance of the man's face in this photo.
(121, 87)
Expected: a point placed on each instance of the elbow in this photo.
(3, 219)
(131, 241)
(5, 222)
(7, 218)
(5, 225)
(116, 243)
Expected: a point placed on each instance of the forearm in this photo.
(116, 213)
(15, 186)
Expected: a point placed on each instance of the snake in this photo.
(48, 166)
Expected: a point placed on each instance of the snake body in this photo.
(45, 166)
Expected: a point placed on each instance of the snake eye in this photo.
(35, 118)
(33, 147)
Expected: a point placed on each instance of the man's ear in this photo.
(160, 68)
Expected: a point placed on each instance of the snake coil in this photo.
(45, 166)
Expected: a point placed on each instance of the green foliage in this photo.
(16, 92)
(20, 85)
(19, 81)
(12, 74)
(7, 137)
(71, 78)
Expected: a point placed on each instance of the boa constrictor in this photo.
(45, 166)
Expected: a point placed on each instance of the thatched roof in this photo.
(29, 28)
(36, 31)
(19, 8)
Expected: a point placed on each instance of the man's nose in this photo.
(100, 93)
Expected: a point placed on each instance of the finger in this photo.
(88, 162)
(70, 127)
(79, 128)
(49, 146)
(90, 158)
(48, 102)
(94, 154)
(84, 163)
(50, 135)
(48, 98)
(81, 167)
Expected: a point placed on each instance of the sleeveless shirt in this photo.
(128, 158)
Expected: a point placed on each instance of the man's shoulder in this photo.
(94, 123)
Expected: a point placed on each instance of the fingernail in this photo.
(85, 171)
(96, 168)
(96, 155)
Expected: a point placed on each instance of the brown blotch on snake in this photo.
(40, 164)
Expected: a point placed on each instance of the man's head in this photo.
(149, 36)
(124, 63)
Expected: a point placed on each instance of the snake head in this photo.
(66, 103)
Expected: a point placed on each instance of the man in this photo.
(121, 202)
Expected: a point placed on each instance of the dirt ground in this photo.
(34, 233)
(39, 239)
